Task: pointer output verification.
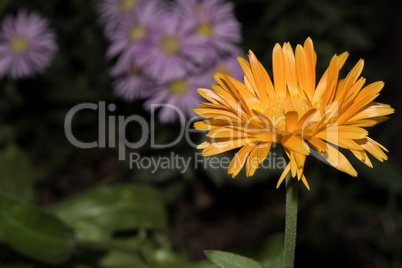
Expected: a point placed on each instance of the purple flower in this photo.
(131, 84)
(27, 45)
(175, 51)
(111, 12)
(176, 99)
(213, 22)
(134, 32)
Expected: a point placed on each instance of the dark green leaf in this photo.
(123, 207)
(34, 233)
(121, 260)
(268, 252)
(16, 173)
(230, 260)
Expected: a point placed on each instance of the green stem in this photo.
(291, 221)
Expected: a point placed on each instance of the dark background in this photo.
(343, 221)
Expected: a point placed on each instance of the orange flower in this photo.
(293, 112)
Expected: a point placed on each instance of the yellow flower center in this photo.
(276, 113)
(170, 44)
(127, 5)
(136, 32)
(178, 87)
(205, 29)
(19, 44)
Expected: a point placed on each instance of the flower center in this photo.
(205, 29)
(276, 113)
(127, 5)
(170, 44)
(136, 32)
(134, 71)
(19, 44)
(178, 87)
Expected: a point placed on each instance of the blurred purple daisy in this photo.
(175, 52)
(213, 22)
(130, 83)
(134, 32)
(113, 11)
(176, 99)
(27, 45)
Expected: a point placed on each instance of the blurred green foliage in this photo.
(66, 207)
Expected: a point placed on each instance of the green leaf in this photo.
(90, 231)
(122, 207)
(201, 264)
(16, 173)
(268, 251)
(230, 260)
(118, 259)
(34, 233)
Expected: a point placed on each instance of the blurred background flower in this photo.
(171, 45)
(27, 44)
(157, 212)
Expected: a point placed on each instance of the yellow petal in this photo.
(295, 144)
(229, 133)
(287, 106)
(305, 119)
(278, 66)
(220, 146)
(305, 183)
(258, 77)
(284, 173)
(318, 144)
(350, 79)
(247, 71)
(268, 83)
(374, 148)
(291, 120)
(332, 80)
(373, 110)
(217, 114)
(362, 156)
(321, 87)
(348, 144)
(203, 125)
(335, 132)
(263, 137)
(364, 97)
(300, 160)
(290, 69)
(256, 157)
(311, 59)
(338, 160)
(239, 159)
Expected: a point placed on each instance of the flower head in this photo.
(176, 98)
(131, 84)
(293, 112)
(113, 11)
(213, 22)
(134, 32)
(27, 45)
(175, 52)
